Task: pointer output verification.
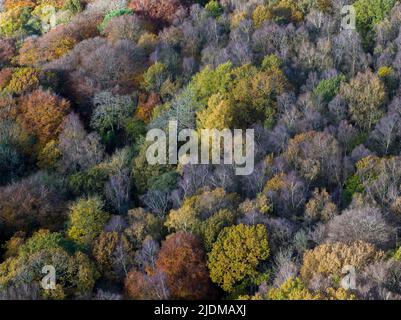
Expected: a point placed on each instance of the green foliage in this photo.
(236, 254)
(155, 76)
(89, 182)
(111, 112)
(211, 227)
(144, 173)
(397, 254)
(198, 208)
(134, 129)
(352, 186)
(75, 272)
(14, 22)
(165, 182)
(271, 61)
(368, 14)
(110, 15)
(209, 82)
(74, 6)
(214, 8)
(327, 89)
(87, 220)
(45, 240)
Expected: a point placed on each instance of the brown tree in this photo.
(162, 11)
(41, 113)
(182, 259)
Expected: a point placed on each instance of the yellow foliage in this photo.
(330, 258)
(23, 80)
(260, 15)
(218, 115)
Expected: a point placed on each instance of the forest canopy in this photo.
(83, 81)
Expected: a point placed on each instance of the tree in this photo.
(30, 204)
(387, 131)
(75, 273)
(110, 112)
(368, 14)
(42, 240)
(365, 95)
(79, 150)
(14, 22)
(200, 207)
(287, 193)
(117, 191)
(261, 14)
(162, 12)
(23, 80)
(95, 65)
(329, 259)
(209, 82)
(328, 89)
(320, 207)
(295, 289)
(380, 281)
(87, 220)
(218, 115)
(348, 54)
(182, 260)
(317, 156)
(236, 254)
(292, 289)
(142, 286)
(7, 51)
(365, 223)
(42, 113)
(141, 225)
(211, 227)
(129, 27)
(14, 145)
(112, 255)
(155, 76)
(214, 8)
(114, 13)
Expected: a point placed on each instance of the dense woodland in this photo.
(81, 82)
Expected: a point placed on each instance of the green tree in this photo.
(87, 220)
(155, 76)
(43, 240)
(368, 14)
(211, 227)
(214, 8)
(328, 88)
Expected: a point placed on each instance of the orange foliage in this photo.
(162, 11)
(182, 259)
(146, 106)
(41, 114)
(58, 41)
